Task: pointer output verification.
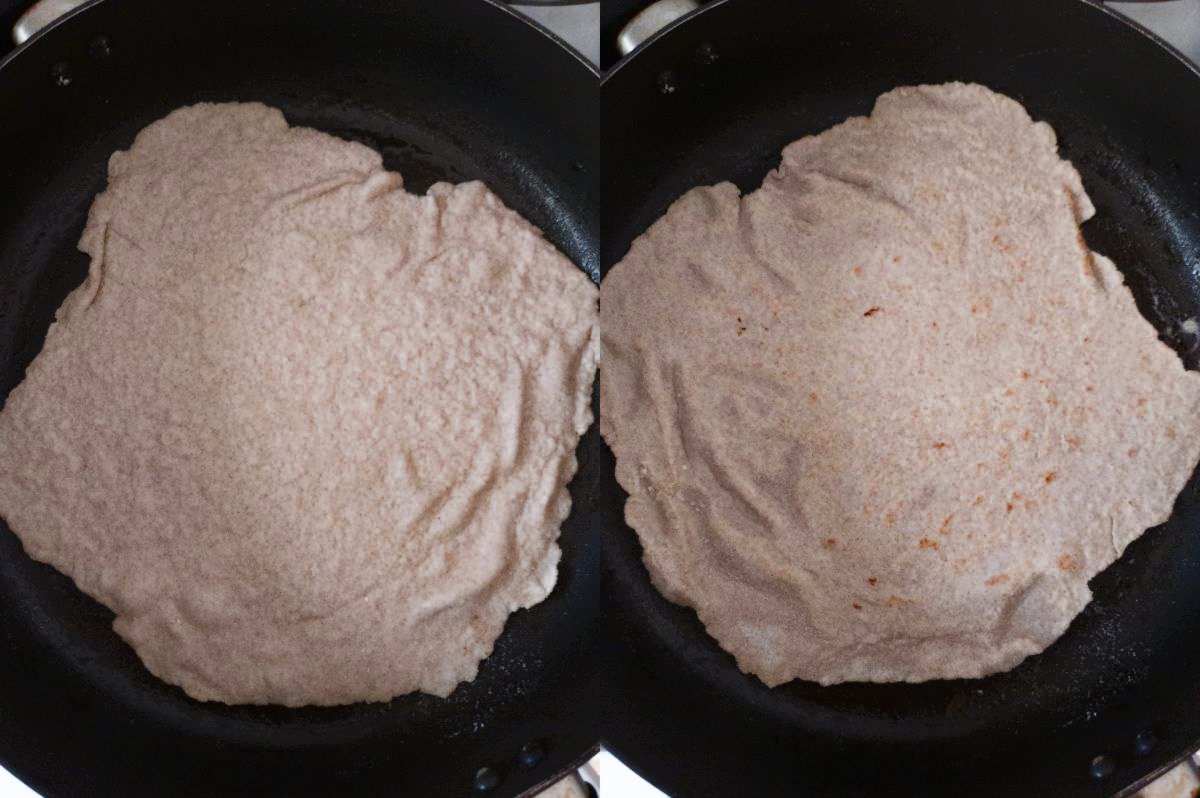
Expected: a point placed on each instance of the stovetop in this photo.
(1176, 21)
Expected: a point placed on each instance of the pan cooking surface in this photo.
(1152, 242)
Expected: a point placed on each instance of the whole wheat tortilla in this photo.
(884, 417)
(308, 435)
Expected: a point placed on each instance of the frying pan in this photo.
(1116, 700)
(462, 89)
(452, 90)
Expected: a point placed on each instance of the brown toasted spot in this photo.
(856, 605)
(1026, 435)
(945, 527)
(829, 543)
(998, 579)
(1089, 267)
(978, 500)
(1025, 375)
(933, 324)
(1141, 402)
(926, 543)
(1073, 441)
(741, 326)
(1009, 392)
(1052, 401)
(895, 259)
(872, 581)
(872, 311)
(1067, 563)
(940, 445)
(857, 270)
(1008, 507)
(1133, 452)
(1050, 477)
(812, 397)
(889, 518)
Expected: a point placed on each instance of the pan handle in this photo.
(650, 20)
(39, 15)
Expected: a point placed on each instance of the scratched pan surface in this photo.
(452, 90)
(680, 114)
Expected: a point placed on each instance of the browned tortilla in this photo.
(884, 417)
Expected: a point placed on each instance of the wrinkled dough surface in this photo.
(307, 434)
(884, 417)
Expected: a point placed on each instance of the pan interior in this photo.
(454, 93)
(717, 99)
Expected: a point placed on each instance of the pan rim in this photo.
(1135, 787)
(499, 5)
(666, 30)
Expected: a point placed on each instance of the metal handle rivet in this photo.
(486, 779)
(1102, 767)
(531, 754)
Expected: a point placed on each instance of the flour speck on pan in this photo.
(307, 434)
(883, 418)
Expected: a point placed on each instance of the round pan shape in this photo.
(454, 90)
(716, 97)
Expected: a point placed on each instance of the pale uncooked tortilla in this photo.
(307, 434)
(884, 417)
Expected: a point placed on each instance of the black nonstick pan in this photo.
(1117, 699)
(447, 90)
